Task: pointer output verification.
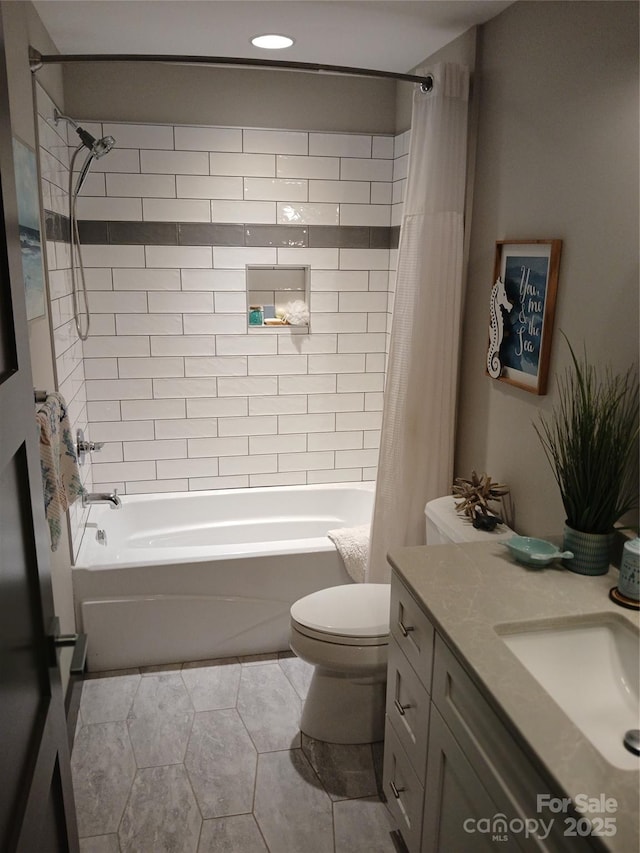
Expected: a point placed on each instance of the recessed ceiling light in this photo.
(272, 41)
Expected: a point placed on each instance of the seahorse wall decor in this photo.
(496, 327)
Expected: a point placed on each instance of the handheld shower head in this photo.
(103, 146)
(98, 147)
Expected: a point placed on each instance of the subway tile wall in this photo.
(183, 394)
(68, 355)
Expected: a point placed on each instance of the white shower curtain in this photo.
(418, 422)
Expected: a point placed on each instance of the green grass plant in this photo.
(591, 442)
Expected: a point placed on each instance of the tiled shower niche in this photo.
(278, 298)
(184, 393)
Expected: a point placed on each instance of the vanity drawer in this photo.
(412, 631)
(408, 707)
(403, 790)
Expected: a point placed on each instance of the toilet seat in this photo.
(339, 639)
(350, 615)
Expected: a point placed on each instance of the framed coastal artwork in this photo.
(521, 312)
(26, 172)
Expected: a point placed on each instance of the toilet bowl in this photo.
(344, 632)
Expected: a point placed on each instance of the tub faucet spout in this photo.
(102, 497)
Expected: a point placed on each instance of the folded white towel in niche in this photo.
(353, 546)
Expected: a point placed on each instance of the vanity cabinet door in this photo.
(490, 750)
(489, 747)
(456, 799)
(412, 631)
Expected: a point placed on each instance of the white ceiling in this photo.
(389, 35)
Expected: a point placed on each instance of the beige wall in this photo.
(232, 97)
(557, 157)
(22, 27)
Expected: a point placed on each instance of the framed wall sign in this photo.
(522, 309)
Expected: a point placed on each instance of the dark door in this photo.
(36, 801)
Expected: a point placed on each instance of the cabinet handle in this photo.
(405, 629)
(400, 708)
(396, 791)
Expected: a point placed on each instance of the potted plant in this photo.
(590, 440)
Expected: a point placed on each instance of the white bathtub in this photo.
(202, 575)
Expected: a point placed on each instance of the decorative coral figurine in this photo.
(475, 496)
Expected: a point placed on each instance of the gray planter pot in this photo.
(591, 551)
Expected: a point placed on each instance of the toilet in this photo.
(344, 632)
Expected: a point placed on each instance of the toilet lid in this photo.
(351, 610)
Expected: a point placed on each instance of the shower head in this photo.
(103, 146)
(98, 147)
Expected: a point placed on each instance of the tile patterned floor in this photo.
(207, 757)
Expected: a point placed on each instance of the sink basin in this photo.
(591, 668)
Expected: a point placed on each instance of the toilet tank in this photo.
(443, 525)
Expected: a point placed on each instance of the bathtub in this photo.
(204, 575)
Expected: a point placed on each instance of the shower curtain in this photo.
(418, 422)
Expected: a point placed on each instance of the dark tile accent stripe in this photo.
(381, 238)
(339, 237)
(223, 234)
(210, 234)
(142, 233)
(94, 232)
(56, 227)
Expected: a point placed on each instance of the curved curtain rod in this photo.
(37, 60)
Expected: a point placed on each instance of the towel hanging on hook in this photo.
(61, 482)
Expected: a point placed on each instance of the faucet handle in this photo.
(83, 446)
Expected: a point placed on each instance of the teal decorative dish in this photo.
(535, 552)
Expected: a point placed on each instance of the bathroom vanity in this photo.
(478, 754)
